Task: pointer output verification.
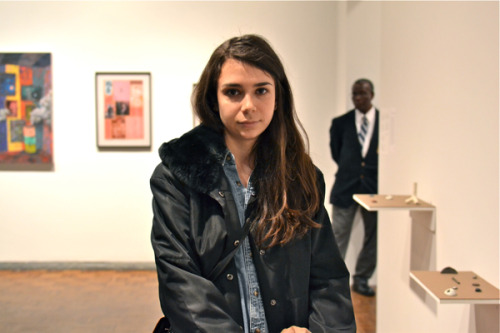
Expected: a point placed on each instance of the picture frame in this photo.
(26, 136)
(123, 110)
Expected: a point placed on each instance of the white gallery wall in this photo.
(440, 77)
(357, 38)
(435, 68)
(96, 206)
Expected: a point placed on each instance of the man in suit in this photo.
(354, 148)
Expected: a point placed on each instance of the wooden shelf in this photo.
(435, 283)
(376, 202)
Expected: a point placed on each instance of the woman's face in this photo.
(246, 99)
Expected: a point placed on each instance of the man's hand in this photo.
(295, 329)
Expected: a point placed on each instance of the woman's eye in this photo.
(231, 92)
(261, 91)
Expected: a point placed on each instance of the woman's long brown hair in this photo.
(284, 176)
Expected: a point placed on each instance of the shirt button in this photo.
(262, 252)
(273, 302)
(256, 293)
(363, 164)
(230, 277)
(257, 330)
(238, 183)
(236, 243)
(228, 158)
(221, 194)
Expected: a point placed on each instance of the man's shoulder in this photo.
(349, 115)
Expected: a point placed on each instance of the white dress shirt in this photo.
(370, 116)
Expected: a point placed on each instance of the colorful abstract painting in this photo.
(123, 109)
(25, 109)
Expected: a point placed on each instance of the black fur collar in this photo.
(196, 157)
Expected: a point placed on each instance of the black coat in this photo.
(195, 223)
(355, 174)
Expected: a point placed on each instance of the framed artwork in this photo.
(26, 109)
(123, 104)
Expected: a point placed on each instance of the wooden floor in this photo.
(100, 301)
(364, 311)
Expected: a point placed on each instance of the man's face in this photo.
(362, 97)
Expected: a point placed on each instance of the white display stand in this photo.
(424, 281)
(469, 287)
(423, 223)
(375, 202)
(378, 202)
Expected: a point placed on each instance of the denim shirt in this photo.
(254, 318)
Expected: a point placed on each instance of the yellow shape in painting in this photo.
(14, 142)
(14, 69)
(29, 139)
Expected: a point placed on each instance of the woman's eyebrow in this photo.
(237, 85)
(260, 84)
(231, 85)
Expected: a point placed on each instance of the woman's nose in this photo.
(248, 103)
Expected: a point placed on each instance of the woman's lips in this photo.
(248, 123)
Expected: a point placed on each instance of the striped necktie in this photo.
(362, 131)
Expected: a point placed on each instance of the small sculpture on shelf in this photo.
(413, 199)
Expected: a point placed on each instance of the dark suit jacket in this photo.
(355, 174)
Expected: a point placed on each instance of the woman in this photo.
(245, 168)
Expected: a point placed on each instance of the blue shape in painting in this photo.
(31, 93)
(109, 88)
(3, 135)
(16, 130)
(7, 84)
(43, 61)
(39, 136)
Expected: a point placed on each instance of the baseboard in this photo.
(77, 265)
